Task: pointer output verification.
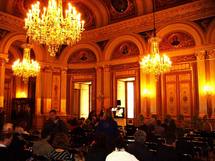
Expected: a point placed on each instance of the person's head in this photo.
(53, 115)
(170, 139)
(140, 136)
(6, 138)
(7, 127)
(119, 142)
(60, 140)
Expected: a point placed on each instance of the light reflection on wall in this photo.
(21, 94)
(208, 89)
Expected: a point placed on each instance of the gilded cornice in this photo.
(10, 22)
(190, 11)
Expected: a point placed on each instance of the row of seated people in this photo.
(95, 143)
(59, 148)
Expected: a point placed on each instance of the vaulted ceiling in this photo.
(97, 13)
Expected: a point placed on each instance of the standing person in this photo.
(53, 125)
(108, 126)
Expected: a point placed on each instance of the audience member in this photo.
(61, 146)
(5, 141)
(138, 148)
(119, 154)
(53, 125)
(99, 150)
(158, 129)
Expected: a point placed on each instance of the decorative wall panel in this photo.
(185, 98)
(178, 93)
(171, 99)
(56, 92)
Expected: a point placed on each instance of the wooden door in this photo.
(178, 94)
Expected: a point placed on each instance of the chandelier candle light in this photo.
(26, 68)
(53, 27)
(155, 63)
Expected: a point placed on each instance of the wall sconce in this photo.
(21, 94)
(209, 91)
(147, 95)
(146, 92)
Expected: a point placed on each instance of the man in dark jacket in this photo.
(53, 125)
(5, 140)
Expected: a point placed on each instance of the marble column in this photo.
(201, 81)
(46, 89)
(107, 87)
(63, 91)
(99, 89)
(2, 78)
(211, 80)
(144, 103)
(38, 94)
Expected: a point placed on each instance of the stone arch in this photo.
(190, 28)
(136, 39)
(70, 50)
(11, 37)
(210, 37)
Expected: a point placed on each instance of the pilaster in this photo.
(200, 54)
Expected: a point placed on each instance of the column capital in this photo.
(64, 71)
(211, 54)
(99, 68)
(200, 54)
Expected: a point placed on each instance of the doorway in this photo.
(82, 98)
(126, 95)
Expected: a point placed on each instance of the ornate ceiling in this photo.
(96, 13)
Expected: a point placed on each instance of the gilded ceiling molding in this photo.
(187, 12)
(101, 13)
(191, 28)
(136, 39)
(11, 23)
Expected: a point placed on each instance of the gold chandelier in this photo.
(26, 68)
(155, 63)
(53, 27)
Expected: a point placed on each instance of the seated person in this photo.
(167, 151)
(98, 151)
(61, 148)
(119, 154)
(138, 148)
(5, 140)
